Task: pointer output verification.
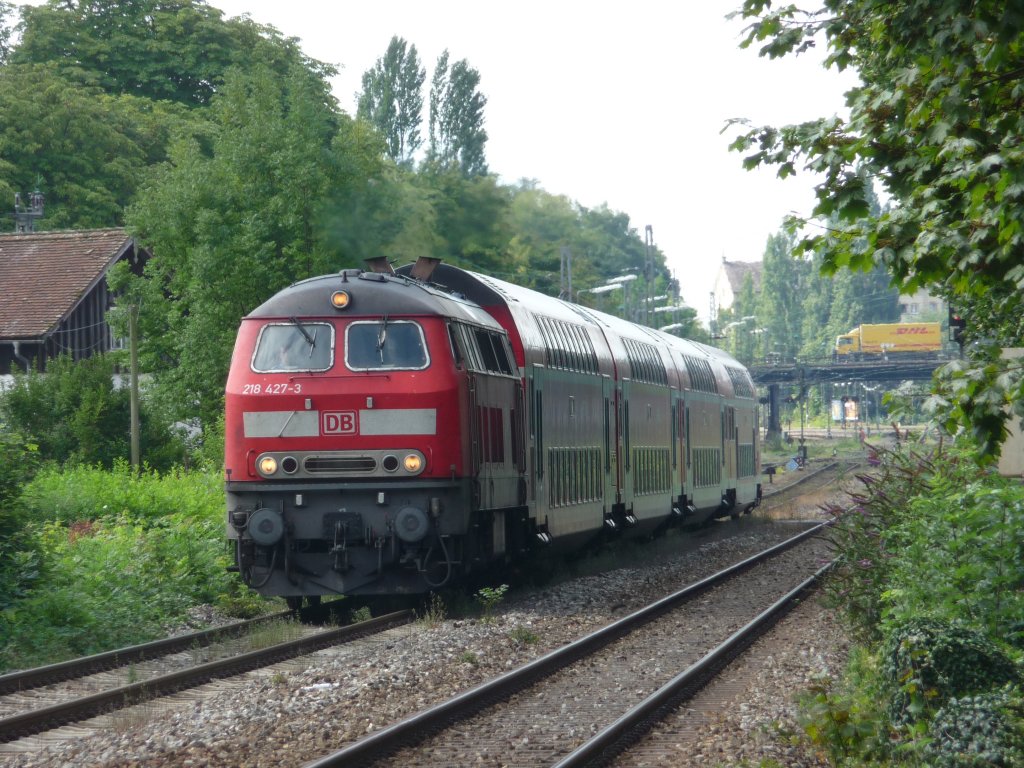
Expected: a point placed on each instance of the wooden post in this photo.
(133, 343)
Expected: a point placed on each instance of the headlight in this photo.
(413, 463)
(340, 299)
(268, 465)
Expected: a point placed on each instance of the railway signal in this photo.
(957, 324)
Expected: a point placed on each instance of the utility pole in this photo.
(565, 285)
(133, 343)
(648, 273)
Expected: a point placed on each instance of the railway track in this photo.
(548, 709)
(354, 714)
(811, 480)
(48, 697)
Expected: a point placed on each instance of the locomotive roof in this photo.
(372, 293)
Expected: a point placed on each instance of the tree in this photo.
(238, 213)
(470, 213)
(938, 123)
(175, 50)
(392, 99)
(457, 135)
(76, 414)
(6, 11)
(780, 304)
(84, 148)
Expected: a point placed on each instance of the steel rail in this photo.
(414, 728)
(604, 747)
(37, 720)
(101, 662)
(796, 486)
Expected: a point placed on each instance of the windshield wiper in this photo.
(382, 336)
(311, 340)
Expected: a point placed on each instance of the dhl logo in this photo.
(904, 331)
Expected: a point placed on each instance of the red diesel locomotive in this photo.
(390, 433)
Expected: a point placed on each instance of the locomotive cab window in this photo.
(294, 346)
(485, 351)
(385, 345)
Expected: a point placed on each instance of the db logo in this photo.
(338, 423)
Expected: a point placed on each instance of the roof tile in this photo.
(43, 275)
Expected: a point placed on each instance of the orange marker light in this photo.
(340, 299)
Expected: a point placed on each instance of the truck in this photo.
(889, 341)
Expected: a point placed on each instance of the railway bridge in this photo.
(806, 374)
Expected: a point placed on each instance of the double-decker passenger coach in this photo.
(391, 433)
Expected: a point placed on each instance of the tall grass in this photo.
(118, 558)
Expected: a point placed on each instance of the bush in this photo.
(927, 662)
(77, 415)
(956, 553)
(985, 731)
(19, 557)
(863, 569)
(845, 719)
(92, 493)
(125, 557)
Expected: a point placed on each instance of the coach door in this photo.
(679, 445)
(625, 468)
(610, 466)
(535, 409)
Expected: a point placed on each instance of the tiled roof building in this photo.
(729, 281)
(53, 293)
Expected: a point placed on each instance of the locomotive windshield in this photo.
(385, 345)
(294, 346)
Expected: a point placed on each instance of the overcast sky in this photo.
(619, 103)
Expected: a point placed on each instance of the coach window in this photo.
(385, 345)
(294, 346)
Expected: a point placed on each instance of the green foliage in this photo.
(863, 562)
(928, 579)
(457, 135)
(235, 216)
(19, 555)
(523, 635)
(927, 662)
(979, 395)
(392, 99)
(75, 414)
(984, 731)
(780, 303)
(489, 598)
(434, 611)
(86, 493)
(958, 551)
(161, 50)
(357, 615)
(936, 121)
(6, 10)
(117, 557)
(470, 218)
(847, 719)
(83, 148)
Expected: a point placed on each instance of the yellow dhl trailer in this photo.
(889, 339)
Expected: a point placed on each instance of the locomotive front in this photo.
(344, 451)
